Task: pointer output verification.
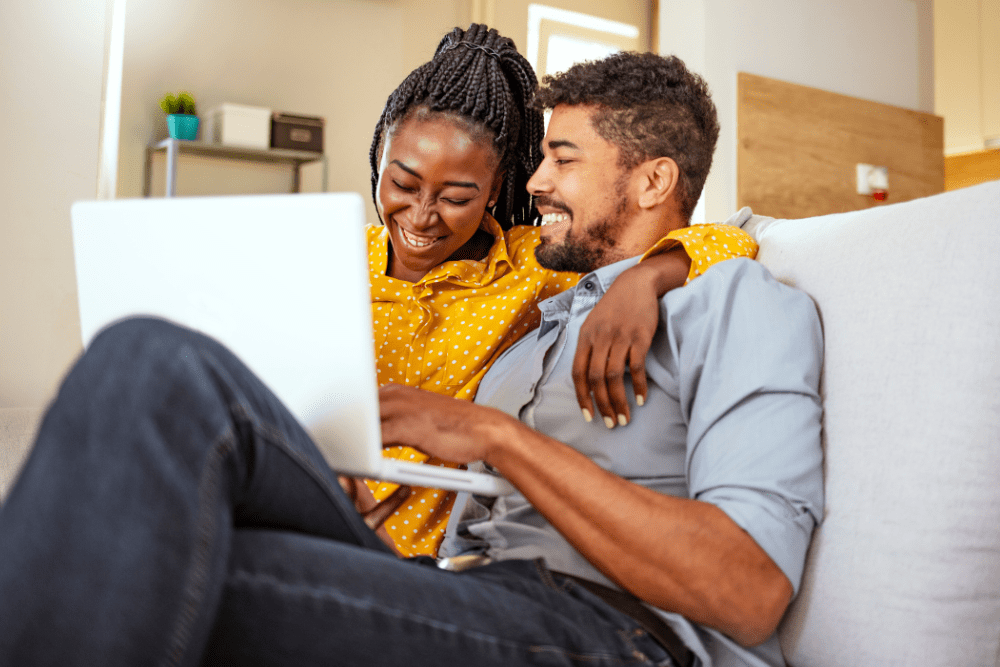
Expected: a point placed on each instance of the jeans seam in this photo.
(196, 582)
(276, 437)
(237, 577)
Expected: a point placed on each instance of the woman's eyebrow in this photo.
(407, 169)
(414, 173)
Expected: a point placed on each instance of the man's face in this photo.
(581, 191)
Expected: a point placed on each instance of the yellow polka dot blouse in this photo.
(443, 332)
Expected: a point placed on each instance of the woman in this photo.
(453, 272)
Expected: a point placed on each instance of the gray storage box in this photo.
(303, 133)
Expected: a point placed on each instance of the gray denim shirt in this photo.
(732, 418)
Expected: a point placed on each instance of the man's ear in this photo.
(658, 183)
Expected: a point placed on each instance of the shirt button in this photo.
(588, 285)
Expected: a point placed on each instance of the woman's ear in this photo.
(495, 190)
(658, 182)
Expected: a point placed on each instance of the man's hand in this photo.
(449, 428)
(619, 331)
(677, 554)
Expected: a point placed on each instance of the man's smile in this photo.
(550, 218)
(554, 224)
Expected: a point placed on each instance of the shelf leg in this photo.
(171, 168)
(148, 174)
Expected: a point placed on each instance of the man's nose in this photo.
(540, 183)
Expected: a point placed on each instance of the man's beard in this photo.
(588, 251)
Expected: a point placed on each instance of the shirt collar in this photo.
(593, 284)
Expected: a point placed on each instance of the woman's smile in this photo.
(415, 241)
(435, 183)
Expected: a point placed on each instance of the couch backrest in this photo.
(905, 569)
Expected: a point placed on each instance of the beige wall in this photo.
(335, 58)
(338, 59)
(51, 67)
(967, 72)
(878, 50)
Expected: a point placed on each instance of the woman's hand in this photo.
(619, 331)
(373, 512)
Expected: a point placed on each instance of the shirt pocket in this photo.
(441, 368)
(405, 355)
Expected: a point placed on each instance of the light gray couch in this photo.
(905, 569)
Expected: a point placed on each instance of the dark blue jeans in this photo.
(173, 512)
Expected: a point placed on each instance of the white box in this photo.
(239, 125)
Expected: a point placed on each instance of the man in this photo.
(241, 548)
(704, 504)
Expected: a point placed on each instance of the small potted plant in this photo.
(182, 123)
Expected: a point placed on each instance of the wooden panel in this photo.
(798, 148)
(961, 171)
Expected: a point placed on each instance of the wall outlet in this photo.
(872, 179)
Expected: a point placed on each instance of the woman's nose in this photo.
(425, 213)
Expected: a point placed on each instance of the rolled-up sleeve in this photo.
(749, 353)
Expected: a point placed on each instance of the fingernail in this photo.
(640, 399)
(622, 420)
(587, 417)
(609, 422)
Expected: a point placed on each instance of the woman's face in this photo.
(435, 182)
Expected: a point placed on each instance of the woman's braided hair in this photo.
(479, 80)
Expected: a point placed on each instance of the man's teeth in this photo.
(549, 218)
(416, 241)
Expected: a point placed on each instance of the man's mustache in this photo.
(545, 200)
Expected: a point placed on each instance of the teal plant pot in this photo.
(182, 126)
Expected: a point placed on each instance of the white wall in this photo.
(51, 67)
(880, 50)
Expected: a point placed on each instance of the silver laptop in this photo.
(282, 281)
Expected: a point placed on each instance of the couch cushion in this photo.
(905, 569)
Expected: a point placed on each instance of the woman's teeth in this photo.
(549, 218)
(416, 241)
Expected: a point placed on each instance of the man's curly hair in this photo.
(649, 107)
